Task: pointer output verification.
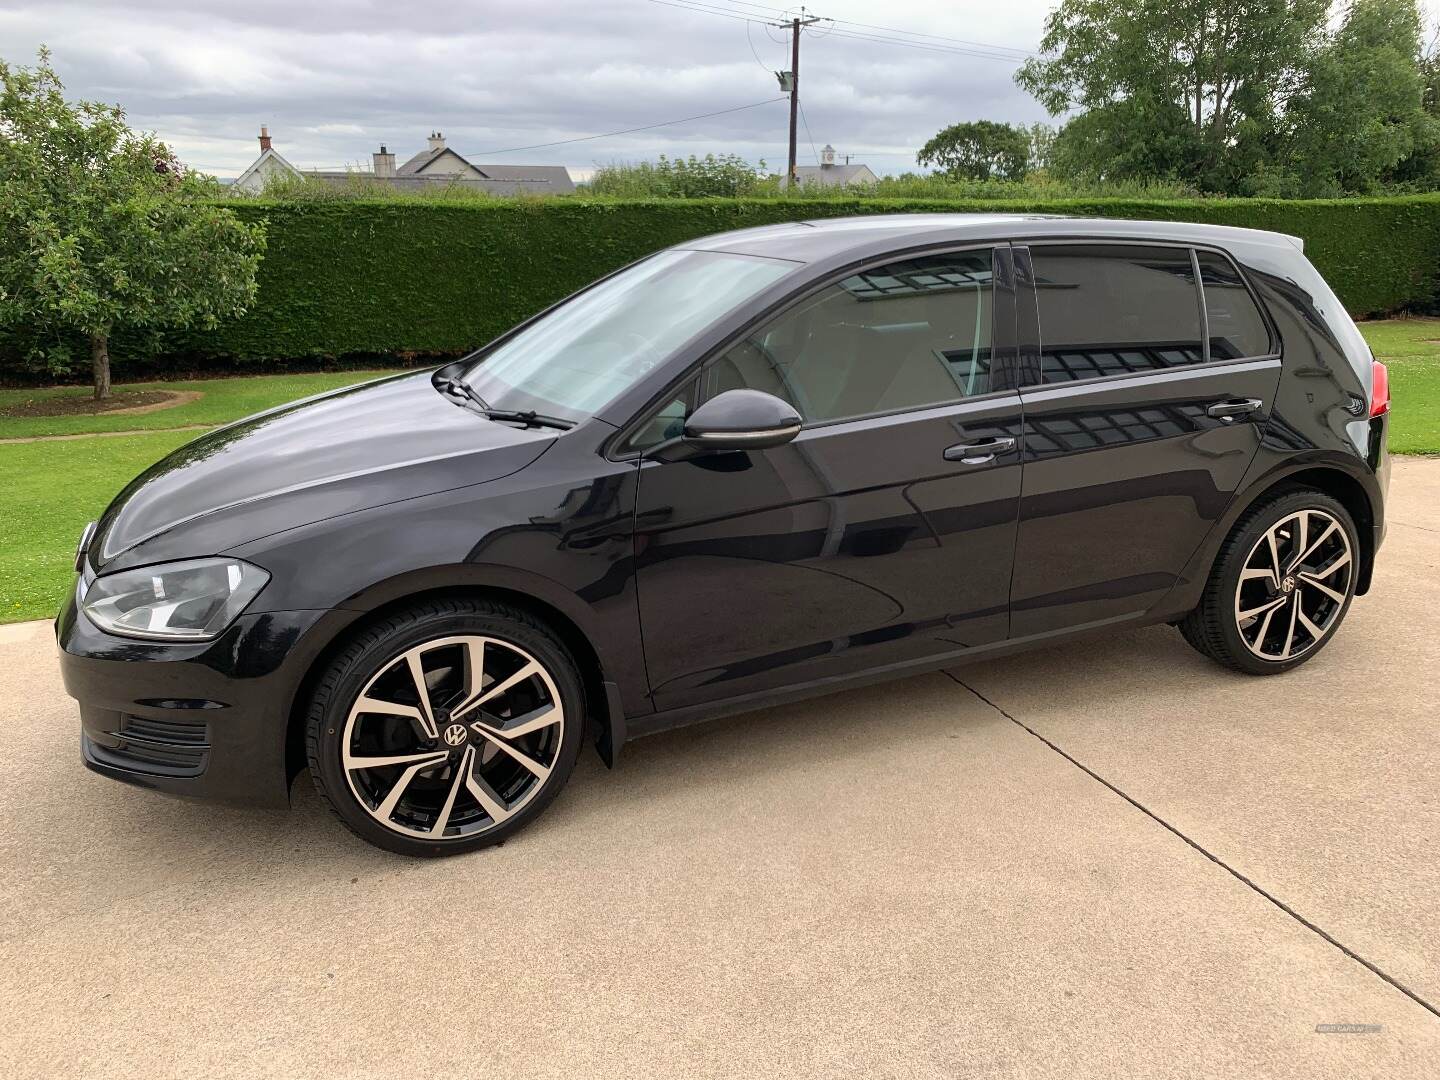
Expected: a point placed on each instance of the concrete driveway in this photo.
(1111, 860)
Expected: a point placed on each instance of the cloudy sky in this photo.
(334, 78)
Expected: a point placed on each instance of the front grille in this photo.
(163, 747)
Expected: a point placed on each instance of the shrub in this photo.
(356, 278)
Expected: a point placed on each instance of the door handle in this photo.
(978, 453)
(1227, 412)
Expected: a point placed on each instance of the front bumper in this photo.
(207, 720)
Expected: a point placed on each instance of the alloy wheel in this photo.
(1294, 585)
(452, 737)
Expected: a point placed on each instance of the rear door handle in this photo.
(1229, 411)
(978, 453)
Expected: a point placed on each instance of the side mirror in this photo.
(735, 420)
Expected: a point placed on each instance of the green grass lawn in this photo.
(221, 401)
(1410, 349)
(49, 490)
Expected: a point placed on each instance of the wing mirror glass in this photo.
(735, 420)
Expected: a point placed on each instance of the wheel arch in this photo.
(1335, 478)
(602, 697)
(1349, 493)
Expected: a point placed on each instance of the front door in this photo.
(1139, 426)
(884, 533)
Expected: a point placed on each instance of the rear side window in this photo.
(1237, 329)
(1111, 310)
(902, 336)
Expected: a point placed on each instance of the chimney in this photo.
(384, 162)
(437, 141)
(827, 156)
(264, 138)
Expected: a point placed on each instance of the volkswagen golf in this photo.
(755, 467)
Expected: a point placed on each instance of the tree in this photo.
(1227, 67)
(101, 227)
(1135, 139)
(1362, 111)
(979, 150)
(1042, 145)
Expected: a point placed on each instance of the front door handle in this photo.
(1227, 412)
(978, 453)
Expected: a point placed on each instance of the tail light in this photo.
(1379, 389)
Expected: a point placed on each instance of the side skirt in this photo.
(670, 719)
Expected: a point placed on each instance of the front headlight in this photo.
(181, 601)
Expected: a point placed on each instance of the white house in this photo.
(830, 174)
(436, 166)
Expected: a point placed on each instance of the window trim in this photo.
(999, 250)
(1031, 374)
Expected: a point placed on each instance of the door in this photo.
(1138, 427)
(884, 533)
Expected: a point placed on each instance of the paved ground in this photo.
(1119, 861)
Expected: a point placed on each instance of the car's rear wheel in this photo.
(1280, 586)
(446, 727)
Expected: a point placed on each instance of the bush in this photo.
(361, 279)
(681, 178)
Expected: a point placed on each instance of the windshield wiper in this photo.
(528, 417)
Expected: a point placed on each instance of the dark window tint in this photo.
(1236, 326)
(902, 336)
(666, 423)
(1112, 310)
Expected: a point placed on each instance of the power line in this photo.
(937, 37)
(873, 26)
(953, 50)
(706, 9)
(753, 53)
(906, 39)
(807, 131)
(625, 131)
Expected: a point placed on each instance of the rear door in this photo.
(1139, 424)
(884, 533)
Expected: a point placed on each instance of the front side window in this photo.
(901, 336)
(1112, 310)
(589, 350)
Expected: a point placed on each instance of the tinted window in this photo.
(573, 360)
(1236, 326)
(668, 422)
(901, 336)
(1111, 310)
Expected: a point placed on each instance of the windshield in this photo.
(586, 352)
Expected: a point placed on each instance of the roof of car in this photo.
(826, 238)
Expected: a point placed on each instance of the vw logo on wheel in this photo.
(454, 734)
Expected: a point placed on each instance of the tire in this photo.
(1263, 605)
(478, 758)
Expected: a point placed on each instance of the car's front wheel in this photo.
(446, 727)
(1280, 586)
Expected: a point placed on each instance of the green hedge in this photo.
(364, 278)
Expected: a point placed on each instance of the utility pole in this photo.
(795, 24)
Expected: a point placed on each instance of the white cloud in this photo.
(334, 80)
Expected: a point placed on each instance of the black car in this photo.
(760, 466)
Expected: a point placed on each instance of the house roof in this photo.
(344, 178)
(424, 157)
(556, 177)
(265, 155)
(835, 174)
